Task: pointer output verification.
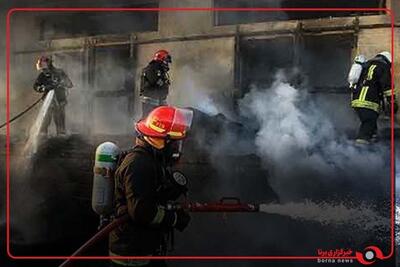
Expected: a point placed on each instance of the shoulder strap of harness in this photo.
(124, 153)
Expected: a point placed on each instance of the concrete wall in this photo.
(373, 41)
(199, 68)
(23, 74)
(394, 5)
(204, 68)
(187, 22)
(25, 31)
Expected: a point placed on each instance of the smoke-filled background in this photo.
(320, 177)
(304, 150)
(278, 141)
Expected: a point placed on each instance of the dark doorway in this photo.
(260, 59)
(318, 62)
(325, 61)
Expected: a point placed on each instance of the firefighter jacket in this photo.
(53, 79)
(138, 183)
(373, 86)
(154, 84)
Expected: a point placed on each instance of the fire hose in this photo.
(226, 204)
(21, 113)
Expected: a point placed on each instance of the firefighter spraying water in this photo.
(51, 83)
(53, 79)
(140, 198)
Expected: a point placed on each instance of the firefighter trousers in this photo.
(57, 113)
(368, 119)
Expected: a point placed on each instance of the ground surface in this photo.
(52, 214)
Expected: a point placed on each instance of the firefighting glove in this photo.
(41, 88)
(177, 219)
(182, 220)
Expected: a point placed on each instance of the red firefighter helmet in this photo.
(162, 55)
(44, 62)
(166, 122)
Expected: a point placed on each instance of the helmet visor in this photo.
(182, 122)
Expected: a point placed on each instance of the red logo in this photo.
(369, 255)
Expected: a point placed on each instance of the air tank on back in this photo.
(106, 160)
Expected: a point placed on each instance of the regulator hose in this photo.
(21, 113)
(97, 237)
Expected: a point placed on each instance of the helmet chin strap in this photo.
(157, 143)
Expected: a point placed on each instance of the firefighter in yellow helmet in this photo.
(373, 88)
(143, 187)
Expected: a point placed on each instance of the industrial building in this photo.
(105, 53)
(219, 56)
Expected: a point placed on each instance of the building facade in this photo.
(219, 53)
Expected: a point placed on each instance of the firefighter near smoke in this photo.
(106, 161)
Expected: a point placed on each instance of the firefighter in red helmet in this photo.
(155, 82)
(52, 78)
(143, 188)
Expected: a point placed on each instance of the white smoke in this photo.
(301, 147)
(305, 152)
(190, 92)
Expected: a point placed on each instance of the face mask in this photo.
(173, 150)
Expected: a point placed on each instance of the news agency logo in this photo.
(338, 261)
(367, 257)
(334, 256)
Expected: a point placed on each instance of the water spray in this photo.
(32, 144)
